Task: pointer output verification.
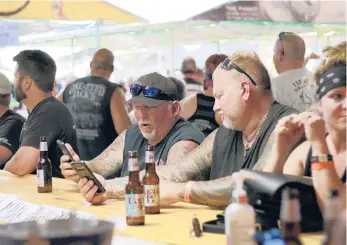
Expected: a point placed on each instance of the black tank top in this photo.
(88, 100)
(204, 116)
(228, 150)
(308, 171)
(134, 141)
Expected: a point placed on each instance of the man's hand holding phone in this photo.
(67, 171)
(89, 190)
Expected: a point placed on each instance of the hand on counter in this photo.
(169, 192)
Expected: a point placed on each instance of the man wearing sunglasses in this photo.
(294, 85)
(157, 112)
(244, 100)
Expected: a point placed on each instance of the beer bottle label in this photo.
(133, 164)
(149, 157)
(134, 205)
(43, 146)
(40, 178)
(151, 195)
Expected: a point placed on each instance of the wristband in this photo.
(321, 158)
(322, 165)
(187, 191)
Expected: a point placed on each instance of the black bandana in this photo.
(333, 78)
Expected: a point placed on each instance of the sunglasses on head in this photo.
(227, 64)
(280, 37)
(150, 92)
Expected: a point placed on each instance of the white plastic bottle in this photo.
(239, 216)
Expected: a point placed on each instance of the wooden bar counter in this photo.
(169, 227)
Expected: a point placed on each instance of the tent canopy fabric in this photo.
(135, 36)
(67, 10)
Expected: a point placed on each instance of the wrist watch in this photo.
(321, 158)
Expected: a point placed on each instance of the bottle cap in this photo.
(150, 148)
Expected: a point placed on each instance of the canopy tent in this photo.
(136, 36)
(317, 11)
(74, 10)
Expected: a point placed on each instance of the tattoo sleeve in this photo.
(192, 164)
(216, 193)
(110, 160)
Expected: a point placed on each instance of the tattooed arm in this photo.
(212, 193)
(191, 165)
(115, 187)
(110, 160)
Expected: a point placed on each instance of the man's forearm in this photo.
(105, 167)
(192, 165)
(216, 193)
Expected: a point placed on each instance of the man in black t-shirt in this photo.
(10, 123)
(34, 82)
(97, 106)
(157, 112)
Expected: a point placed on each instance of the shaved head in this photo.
(293, 46)
(102, 60)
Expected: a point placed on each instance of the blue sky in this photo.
(166, 10)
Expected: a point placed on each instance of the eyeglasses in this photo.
(280, 37)
(227, 64)
(150, 92)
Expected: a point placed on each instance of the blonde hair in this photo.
(335, 56)
(250, 63)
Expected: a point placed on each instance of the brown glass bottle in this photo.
(330, 214)
(150, 183)
(290, 217)
(134, 193)
(44, 168)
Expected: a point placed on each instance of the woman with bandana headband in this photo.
(198, 108)
(323, 154)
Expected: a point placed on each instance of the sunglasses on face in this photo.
(150, 92)
(227, 64)
(280, 37)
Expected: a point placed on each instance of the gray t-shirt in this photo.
(294, 88)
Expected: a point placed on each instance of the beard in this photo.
(146, 135)
(227, 123)
(19, 94)
(149, 136)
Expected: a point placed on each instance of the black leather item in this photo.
(264, 193)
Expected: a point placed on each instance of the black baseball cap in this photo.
(158, 81)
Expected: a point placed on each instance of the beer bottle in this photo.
(290, 217)
(44, 168)
(134, 193)
(330, 214)
(150, 183)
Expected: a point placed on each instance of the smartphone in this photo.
(63, 149)
(83, 171)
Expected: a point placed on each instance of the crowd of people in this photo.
(204, 128)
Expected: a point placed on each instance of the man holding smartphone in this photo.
(157, 111)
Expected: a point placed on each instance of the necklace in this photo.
(248, 143)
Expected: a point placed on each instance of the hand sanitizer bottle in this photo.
(239, 216)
